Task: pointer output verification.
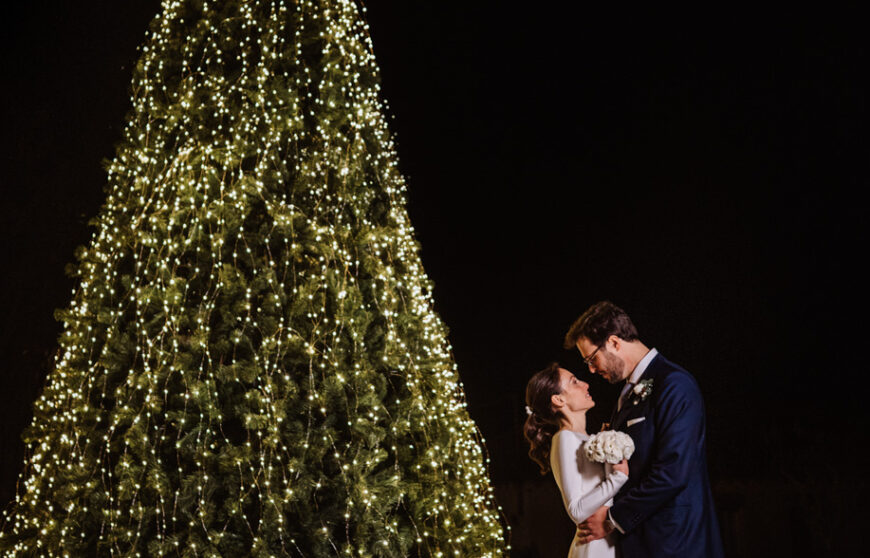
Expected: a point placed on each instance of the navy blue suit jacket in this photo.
(666, 507)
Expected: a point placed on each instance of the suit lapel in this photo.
(618, 416)
(612, 424)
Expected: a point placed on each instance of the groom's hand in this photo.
(594, 527)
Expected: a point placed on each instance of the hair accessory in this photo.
(529, 411)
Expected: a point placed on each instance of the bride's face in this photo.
(575, 393)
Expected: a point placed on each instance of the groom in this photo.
(666, 507)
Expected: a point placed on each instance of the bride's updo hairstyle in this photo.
(542, 421)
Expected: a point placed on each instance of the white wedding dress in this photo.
(585, 487)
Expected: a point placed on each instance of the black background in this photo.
(702, 169)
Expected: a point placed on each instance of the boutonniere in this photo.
(642, 390)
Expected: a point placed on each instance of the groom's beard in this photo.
(613, 369)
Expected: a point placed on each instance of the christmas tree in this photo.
(251, 364)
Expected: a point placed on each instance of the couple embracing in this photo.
(655, 504)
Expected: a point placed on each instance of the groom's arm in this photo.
(679, 432)
(595, 527)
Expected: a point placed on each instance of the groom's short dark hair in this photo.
(599, 322)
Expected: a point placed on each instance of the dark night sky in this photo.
(700, 169)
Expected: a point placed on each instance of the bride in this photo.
(556, 404)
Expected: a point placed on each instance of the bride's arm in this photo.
(582, 496)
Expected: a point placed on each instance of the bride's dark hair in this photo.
(542, 421)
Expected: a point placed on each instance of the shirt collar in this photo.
(641, 366)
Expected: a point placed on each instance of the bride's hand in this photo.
(622, 466)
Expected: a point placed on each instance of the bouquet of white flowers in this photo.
(609, 446)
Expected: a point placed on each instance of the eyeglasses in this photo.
(588, 360)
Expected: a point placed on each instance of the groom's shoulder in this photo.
(668, 372)
(663, 367)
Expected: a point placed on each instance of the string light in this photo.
(251, 362)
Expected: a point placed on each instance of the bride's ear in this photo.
(557, 400)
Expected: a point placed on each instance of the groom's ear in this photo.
(615, 342)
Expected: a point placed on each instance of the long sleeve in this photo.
(580, 481)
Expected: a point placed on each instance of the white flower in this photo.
(609, 446)
(642, 390)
